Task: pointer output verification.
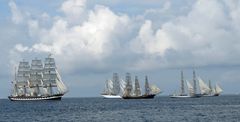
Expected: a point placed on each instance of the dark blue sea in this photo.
(162, 109)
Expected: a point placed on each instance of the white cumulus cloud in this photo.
(205, 35)
(17, 16)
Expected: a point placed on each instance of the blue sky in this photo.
(92, 39)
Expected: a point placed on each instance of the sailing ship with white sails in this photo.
(192, 89)
(113, 88)
(182, 93)
(207, 90)
(134, 91)
(38, 81)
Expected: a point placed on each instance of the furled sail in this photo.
(204, 89)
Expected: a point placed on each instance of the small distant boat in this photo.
(38, 81)
(150, 90)
(113, 88)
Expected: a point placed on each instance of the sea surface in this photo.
(159, 109)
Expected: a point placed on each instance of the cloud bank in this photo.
(102, 39)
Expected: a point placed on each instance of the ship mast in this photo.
(128, 88)
(137, 90)
(194, 83)
(147, 88)
(182, 84)
(36, 77)
(23, 75)
(116, 84)
(210, 87)
(49, 74)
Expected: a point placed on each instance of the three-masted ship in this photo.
(37, 81)
(131, 92)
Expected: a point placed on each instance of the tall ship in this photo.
(134, 91)
(113, 87)
(208, 90)
(192, 89)
(182, 93)
(37, 81)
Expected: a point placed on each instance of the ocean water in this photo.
(162, 109)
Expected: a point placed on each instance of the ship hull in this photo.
(176, 96)
(24, 98)
(208, 95)
(112, 96)
(216, 95)
(196, 96)
(186, 96)
(140, 97)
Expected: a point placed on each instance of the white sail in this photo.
(105, 90)
(15, 90)
(60, 85)
(213, 91)
(23, 73)
(108, 90)
(137, 90)
(218, 89)
(36, 77)
(190, 88)
(154, 89)
(122, 86)
(204, 89)
(147, 88)
(129, 88)
(22, 77)
(116, 84)
(110, 86)
(49, 72)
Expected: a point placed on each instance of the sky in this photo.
(92, 39)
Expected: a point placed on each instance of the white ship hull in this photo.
(208, 96)
(186, 96)
(176, 96)
(112, 96)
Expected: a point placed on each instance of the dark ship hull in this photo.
(35, 98)
(151, 96)
(216, 94)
